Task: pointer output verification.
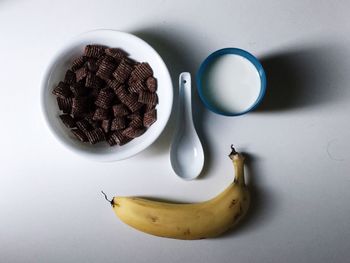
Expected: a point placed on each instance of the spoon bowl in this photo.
(186, 152)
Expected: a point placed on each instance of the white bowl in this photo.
(138, 50)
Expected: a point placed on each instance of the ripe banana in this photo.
(188, 221)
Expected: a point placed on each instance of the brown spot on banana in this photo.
(233, 202)
(115, 204)
(240, 208)
(187, 232)
(153, 218)
(237, 216)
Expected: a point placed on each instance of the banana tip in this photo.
(110, 201)
(233, 152)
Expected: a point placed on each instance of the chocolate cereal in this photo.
(95, 136)
(80, 135)
(120, 110)
(78, 89)
(79, 106)
(106, 126)
(84, 125)
(100, 114)
(107, 96)
(68, 120)
(123, 71)
(70, 78)
(65, 105)
(62, 90)
(151, 84)
(118, 123)
(149, 118)
(132, 103)
(116, 53)
(81, 73)
(92, 81)
(142, 71)
(106, 68)
(137, 121)
(146, 97)
(132, 132)
(113, 83)
(137, 86)
(94, 51)
(78, 63)
(119, 138)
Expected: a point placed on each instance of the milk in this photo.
(231, 83)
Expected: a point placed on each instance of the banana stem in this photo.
(110, 201)
(238, 163)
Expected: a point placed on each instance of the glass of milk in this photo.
(231, 82)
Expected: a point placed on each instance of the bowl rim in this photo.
(235, 51)
(98, 156)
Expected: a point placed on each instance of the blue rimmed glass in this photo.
(239, 52)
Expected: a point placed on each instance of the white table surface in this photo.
(51, 208)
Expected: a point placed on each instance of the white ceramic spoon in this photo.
(186, 152)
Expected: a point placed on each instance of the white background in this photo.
(51, 208)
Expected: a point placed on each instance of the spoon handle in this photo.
(185, 98)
